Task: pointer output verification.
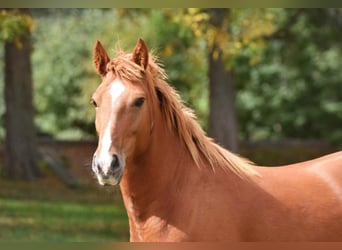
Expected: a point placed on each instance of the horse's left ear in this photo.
(140, 54)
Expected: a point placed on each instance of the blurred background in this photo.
(265, 83)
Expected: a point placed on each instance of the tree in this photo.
(222, 116)
(227, 33)
(20, 140)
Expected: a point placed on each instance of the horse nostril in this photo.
(115, 163)
(95, 165)
(99, 170)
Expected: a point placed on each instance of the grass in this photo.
(48, 211)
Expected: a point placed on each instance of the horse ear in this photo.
(100, 58)
(140, 54)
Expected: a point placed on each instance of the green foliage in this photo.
(238, 31)
(184, 58)
(63, 71)
(295, 90)
(14, 25)
(65, 79)
(286, 63)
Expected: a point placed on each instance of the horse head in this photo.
(123, 117)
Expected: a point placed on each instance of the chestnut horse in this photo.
(178, 185)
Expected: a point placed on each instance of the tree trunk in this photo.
(222, 115)
(20, 141)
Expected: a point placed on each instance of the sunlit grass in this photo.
(59, 214)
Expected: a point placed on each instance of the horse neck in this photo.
(159, 186)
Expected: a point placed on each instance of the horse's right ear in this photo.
(100, 58)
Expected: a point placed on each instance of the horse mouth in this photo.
(110, 179)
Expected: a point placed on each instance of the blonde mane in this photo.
(178, 116)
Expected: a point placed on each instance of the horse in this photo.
(177, 184)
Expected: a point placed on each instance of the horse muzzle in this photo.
(109, 169)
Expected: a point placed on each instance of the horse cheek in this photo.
(141, 138)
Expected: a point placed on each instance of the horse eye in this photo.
(139, 102)
(92, 101)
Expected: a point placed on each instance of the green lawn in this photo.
(39, 212)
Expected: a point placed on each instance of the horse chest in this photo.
(154, 229)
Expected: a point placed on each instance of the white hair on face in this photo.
(105, 158)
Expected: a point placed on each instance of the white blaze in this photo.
(105, 158)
